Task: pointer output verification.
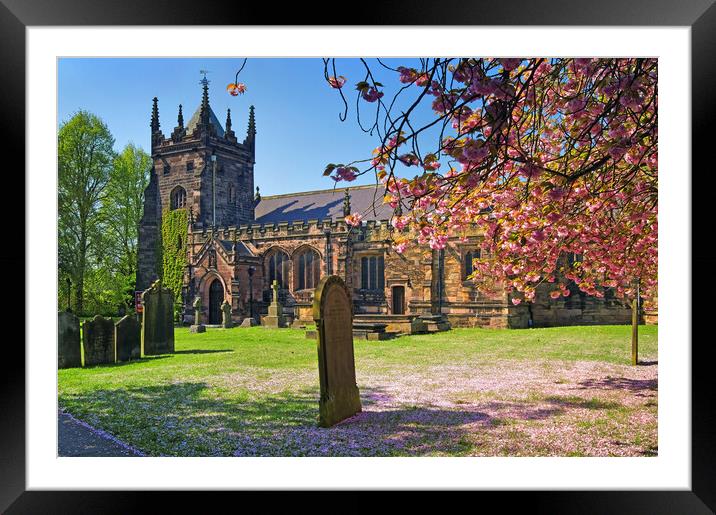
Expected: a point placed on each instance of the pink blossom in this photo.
(354, 219)
(344, 174)
(371, 94)
(337, 82)
(510, 64)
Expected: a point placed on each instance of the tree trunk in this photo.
(82, 263)
(635, 330)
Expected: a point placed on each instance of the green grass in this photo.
(245, 387)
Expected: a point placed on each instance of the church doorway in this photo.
(216, 297)
(398, 300)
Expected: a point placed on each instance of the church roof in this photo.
(319, 205)
(241, 248)
(213, 120)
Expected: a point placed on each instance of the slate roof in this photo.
(213, 120)
(319, 205)
(241, 248)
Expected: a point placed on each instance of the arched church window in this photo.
(309, 269)
(277, 264)
(178, 198)
(232, 194)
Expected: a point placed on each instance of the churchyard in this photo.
(334, 323)
(254, 391)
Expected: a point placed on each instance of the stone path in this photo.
(77, 438)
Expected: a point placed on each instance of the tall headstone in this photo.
(275, 318)
(197, 326)
(333, 313)
(158, 320)
(128, 338)
(98, 341)
(69, 353)
(226, 315)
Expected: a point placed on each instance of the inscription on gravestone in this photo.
(333, 313)
(68, 342)
(128, 339)
(158, 320)
(98, 341)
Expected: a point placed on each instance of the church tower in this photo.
(201, 167)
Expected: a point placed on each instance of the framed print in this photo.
(427, 376)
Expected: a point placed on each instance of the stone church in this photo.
(238, 242)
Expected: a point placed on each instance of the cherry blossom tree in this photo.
(550, 158)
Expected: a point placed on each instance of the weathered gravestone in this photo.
(248, 322)
(333, 313)
(226, 315)
(98, 341)
(158, 320)
(197, 326)
(128, 339)
(68, 344)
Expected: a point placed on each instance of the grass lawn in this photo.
(468, 392)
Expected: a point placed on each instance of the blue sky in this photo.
(299, 131)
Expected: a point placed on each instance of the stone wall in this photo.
(577, 309)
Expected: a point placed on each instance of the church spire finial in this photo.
(258, 195)
(228, 133)
(179, 130)
(155, 115)
(204, 115)
(347, 203)
(252, 123)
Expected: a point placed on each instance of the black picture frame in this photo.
(699, 15)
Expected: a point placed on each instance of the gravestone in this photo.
(333, 313)
(128, 338)
(248, 322)
(157, 320)
(69, 353)
(275, 318)
(197, 327)
(98, 341)
(226, 315)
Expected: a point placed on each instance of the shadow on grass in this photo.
(144, 359)
(640, 387)
(194, 419)
(190, 419)
(579, 403)
(202, 351)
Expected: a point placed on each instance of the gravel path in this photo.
(77, 438)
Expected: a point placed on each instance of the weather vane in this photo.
(204, 80)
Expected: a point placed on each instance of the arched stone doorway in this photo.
(216, 297)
